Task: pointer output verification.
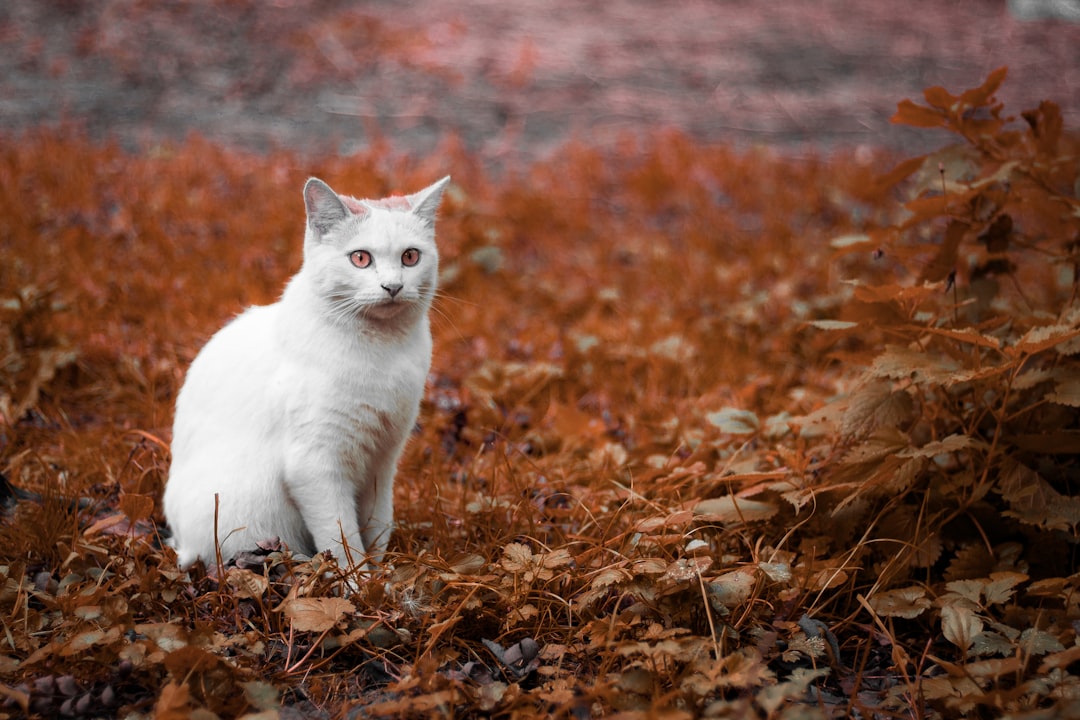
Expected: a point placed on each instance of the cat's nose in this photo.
(393, 289)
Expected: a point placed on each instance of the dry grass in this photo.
(707, 434)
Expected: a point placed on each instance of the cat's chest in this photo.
(336, 398)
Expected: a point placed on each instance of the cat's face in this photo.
(372, 260)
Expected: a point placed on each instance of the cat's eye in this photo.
(360, 258)
(410, 257)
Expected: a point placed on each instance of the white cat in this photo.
(295, 414)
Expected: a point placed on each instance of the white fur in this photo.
(295, 414)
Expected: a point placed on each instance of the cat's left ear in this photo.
(324, 207)
(425, 203)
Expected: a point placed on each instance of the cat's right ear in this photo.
(324, 208)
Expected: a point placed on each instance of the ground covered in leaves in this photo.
(708, 433)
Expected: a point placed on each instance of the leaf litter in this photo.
(667, 465)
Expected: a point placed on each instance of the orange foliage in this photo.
(704, 429)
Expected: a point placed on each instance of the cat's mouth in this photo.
(386, 307)
(350, 307)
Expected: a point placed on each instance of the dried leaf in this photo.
(1042, 338)
(777, 572)
(901, 363)
(517, 557)
(731, 508)
(833, 324)
(1038, 642)
(982, 94)
(731, 589)
(261, 695)
(965, 335)
(907, 602)
(1059, 660)
(316, 614)
(173, 702)
(990, 643)
(908, 113)
(1002, 587)
(734, 421)
(950, 444)
(773, 697)
(947, 257)
(246, 584)
(960, 626)
(609, 576)
(136, 507)
(940, 98)
(877, 405)
(469, 564)
(1034, 501)
(1066, 392)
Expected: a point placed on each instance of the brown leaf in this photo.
(517, 558)
(951, 444)
(731, 589)
(1066, 391)
(317, 614)
(1002, 586)
(940, 98)
(469, 564)
(877, 405)
(901, 363)
(731, 508)
(1034, 501)
(901, 172)
(1042, 338)
(980, 95)
(190, 659)
(173, 702)
(246, 584)
(1046, 125)
(945, 261)
(609, 576)
(734, 421)
(90, 638)
(136, 507)
(1038, 642)
(908, 113)
(1059, 660)
(968, 336)
(907, 602)
(960, 626)
(261, 695)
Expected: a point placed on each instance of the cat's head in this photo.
(372, 260)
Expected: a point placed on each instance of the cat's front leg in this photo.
(377, 526)
(327, 503)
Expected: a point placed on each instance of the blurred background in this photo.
(512, 80)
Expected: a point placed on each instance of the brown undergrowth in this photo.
(707, 433)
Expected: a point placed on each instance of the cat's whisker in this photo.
(439, 295)
(344, 309)
(438, 312)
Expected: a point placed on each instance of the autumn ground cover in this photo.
(708, 433)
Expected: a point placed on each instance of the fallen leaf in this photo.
(316, 614)
(731, 508)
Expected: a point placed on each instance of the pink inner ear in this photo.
(354, 205)
(361, 207)
(396, 202)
